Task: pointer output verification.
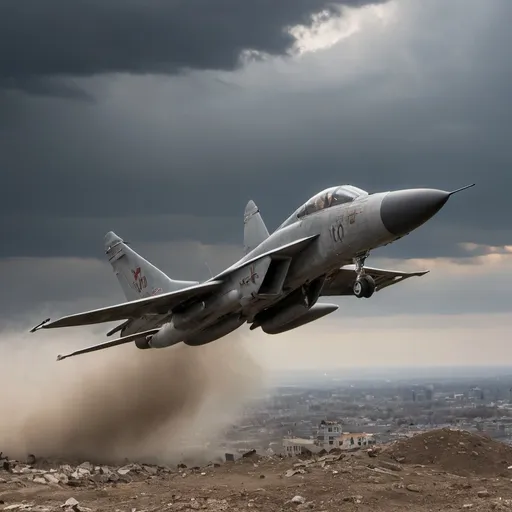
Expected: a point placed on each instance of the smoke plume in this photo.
(160, 405)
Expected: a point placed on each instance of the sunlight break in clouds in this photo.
(326, 31)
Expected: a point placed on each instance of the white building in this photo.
(294, 446)
(328, 433)
(350, 440)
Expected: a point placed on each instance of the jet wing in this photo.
(155, 305)
(289, 250)
(340, 282)
(108, 344)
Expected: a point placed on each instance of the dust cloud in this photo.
(161, 405)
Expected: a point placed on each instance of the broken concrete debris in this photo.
(84, 474)
(270, 483)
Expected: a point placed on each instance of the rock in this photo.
(292, 472)
(298, 500)
(73, 482)
(67, 469)
(87, 466)
(101, 478)
(62, 478)
(80, 473)
(412, 488)
(483, 493)
(390, 465)
(51, 479)
(125, 479)
(31, 459)
(150, 469)
(39, 480)
(70, 502)
(354, 499)
(467, 505)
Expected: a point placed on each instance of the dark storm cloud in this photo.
(90, 37)
(45, 86)
(420, 111)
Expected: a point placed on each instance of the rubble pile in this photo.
(324, 462)
(388, 478)
(456, 451)
(45, 472)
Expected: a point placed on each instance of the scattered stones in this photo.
(353, 499)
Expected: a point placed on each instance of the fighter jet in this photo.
(319, 251)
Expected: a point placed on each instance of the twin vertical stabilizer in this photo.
(255, 230)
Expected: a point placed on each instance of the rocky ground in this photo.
(438, 471)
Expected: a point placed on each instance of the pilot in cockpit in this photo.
(323, 201)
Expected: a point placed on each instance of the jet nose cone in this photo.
(402, 211)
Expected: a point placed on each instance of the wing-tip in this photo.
(40, 325)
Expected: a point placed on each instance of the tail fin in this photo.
(255, 230)
(138, 277)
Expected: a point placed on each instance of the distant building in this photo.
(476, 394)
(330, 435)
(350, 440)
(328, 432)
(293, 446)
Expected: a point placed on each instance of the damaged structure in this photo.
(329, 436)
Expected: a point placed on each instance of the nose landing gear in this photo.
(364, 285)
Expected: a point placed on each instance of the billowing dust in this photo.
(161, 405)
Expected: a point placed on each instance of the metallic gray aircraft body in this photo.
(319, 251)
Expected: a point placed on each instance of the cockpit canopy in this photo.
(329, 197)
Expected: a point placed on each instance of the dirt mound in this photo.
(456, 451)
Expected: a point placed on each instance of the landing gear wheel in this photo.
(364, 286)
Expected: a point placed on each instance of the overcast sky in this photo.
(160, 120)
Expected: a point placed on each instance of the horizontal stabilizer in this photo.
(155, 305)
(108, 344)
(341, 281)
